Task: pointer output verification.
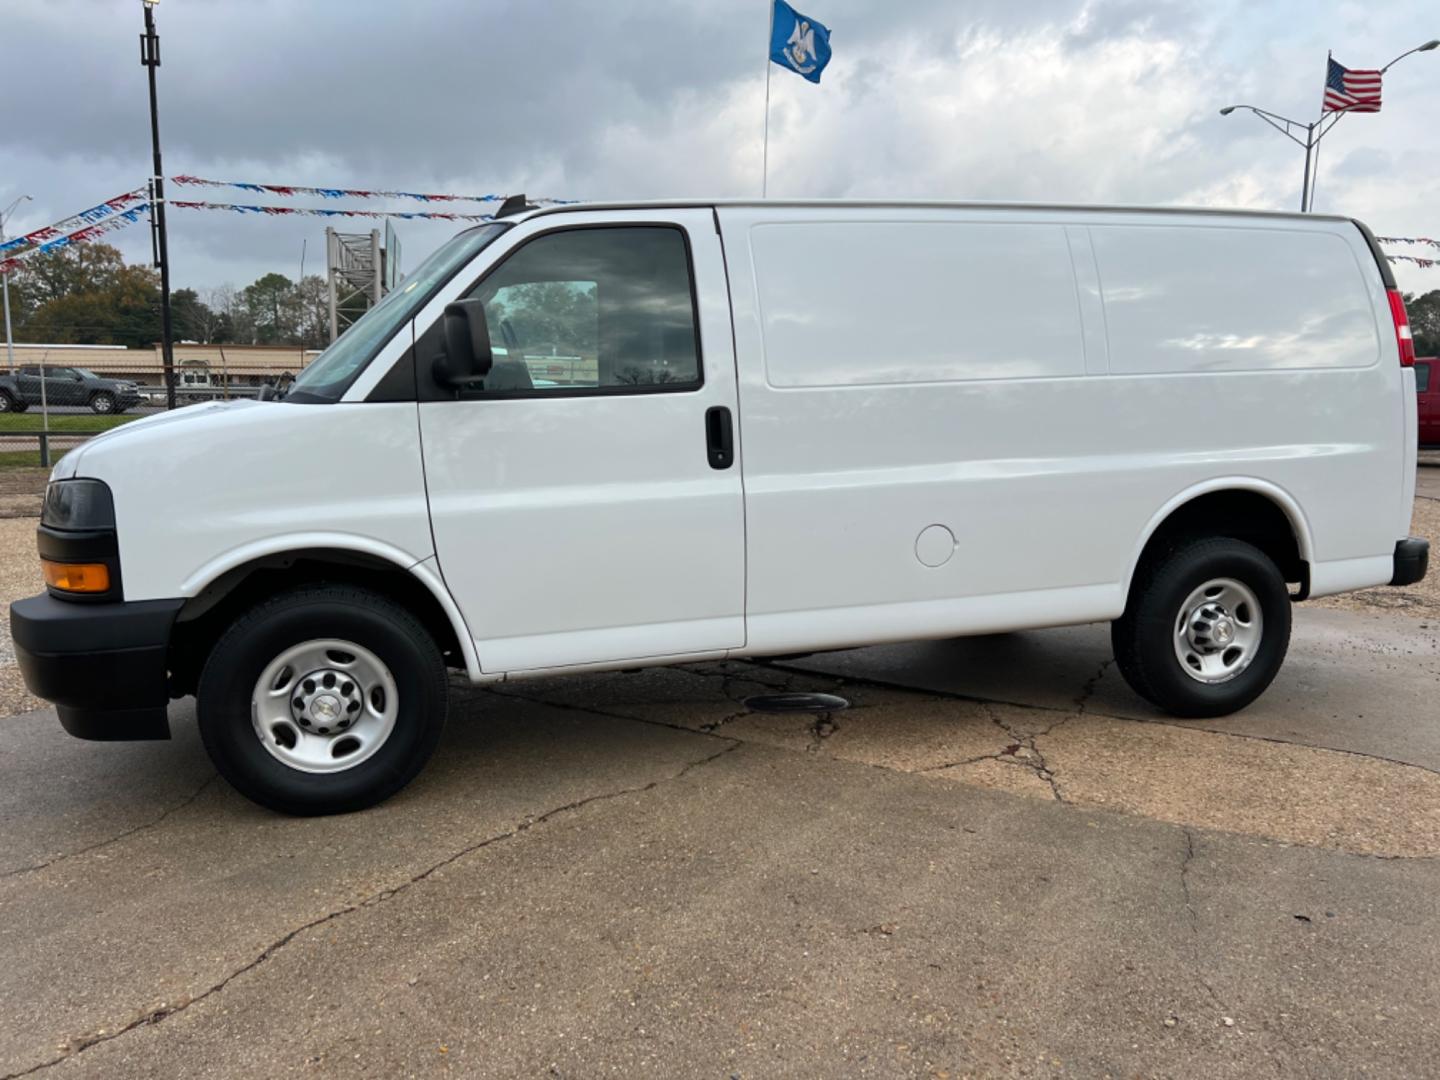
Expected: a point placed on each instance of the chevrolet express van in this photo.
(782, 427)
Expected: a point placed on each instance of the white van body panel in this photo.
(258, 478)
(1048, 478)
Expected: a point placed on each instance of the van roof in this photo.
(920, 204)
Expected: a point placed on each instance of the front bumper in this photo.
(103, 665)
(1412, 558)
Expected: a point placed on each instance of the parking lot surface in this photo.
(997, 861)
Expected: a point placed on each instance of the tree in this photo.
(270, 301)
(191, 317)
(232, 317)
(312, 298)
(80, 268)
(86, 295)
(1424, 312)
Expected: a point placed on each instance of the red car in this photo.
(1427, 387)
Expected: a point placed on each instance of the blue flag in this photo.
(798, 43)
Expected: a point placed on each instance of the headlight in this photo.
(78, 504)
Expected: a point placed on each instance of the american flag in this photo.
(1351, 90)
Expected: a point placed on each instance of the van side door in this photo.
(585, 498)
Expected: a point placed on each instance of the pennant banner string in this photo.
(1424, 264)
(92, 216)
(345, 193)
(118, 220)
(1408, 240)
(325, 211)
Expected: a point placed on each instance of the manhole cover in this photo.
(815, 703)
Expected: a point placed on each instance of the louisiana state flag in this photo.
(797, 42)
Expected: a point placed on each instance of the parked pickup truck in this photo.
(66, 386)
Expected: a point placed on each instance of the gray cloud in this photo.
(1078, 100)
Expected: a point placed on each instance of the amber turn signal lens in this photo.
(77, 577)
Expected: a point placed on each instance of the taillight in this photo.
(1402, 328)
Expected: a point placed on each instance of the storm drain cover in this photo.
(807, 703)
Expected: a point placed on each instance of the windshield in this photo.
(86, 372)
(330, 374)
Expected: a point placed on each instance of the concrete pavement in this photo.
(1013, 869)
(1427, 479)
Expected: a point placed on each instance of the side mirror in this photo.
(467, 357)
(78, 378)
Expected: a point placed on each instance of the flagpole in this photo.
(1313, 170)
(765, 153)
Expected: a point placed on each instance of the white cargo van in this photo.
(781, 427)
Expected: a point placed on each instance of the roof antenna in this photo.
(513, 204)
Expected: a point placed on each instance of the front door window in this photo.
(606, 310)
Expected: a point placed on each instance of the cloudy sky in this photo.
(1042, 100)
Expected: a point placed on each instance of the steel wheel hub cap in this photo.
(324, 706)
(1218, 631)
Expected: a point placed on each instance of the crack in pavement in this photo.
(1034, 759)
(158, 1015)
(590, 710)
(1088, 689)
(1194, 916)
(1070, 714)
(728, 688)
(823, 727)
(181, 805)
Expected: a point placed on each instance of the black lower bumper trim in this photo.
(115, 725)
(1412, 559)
(103, 665)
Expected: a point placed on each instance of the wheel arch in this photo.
(1243, 507)
(217, 592)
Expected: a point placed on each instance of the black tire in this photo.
(354, 614)
(7, 403)
(102, 403)
(1144, 637)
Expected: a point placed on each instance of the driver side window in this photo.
(593, 310)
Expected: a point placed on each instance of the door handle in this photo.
(719, 437)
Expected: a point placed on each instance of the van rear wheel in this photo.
(323, 700)
(1206, 628)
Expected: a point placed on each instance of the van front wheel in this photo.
(1206, 628)
(323, 700)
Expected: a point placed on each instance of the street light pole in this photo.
(150, 59)
(5, 286)
(1289, 128)
(1317, 130)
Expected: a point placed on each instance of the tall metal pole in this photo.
(1305, 183)
(765, 153)
(332, 255)
(1309, 193)
(5, 286)
(9, 342)
(150, 59)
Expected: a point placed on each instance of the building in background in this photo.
(202, 372)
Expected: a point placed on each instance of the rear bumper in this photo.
(103, 665)
(1412, 558)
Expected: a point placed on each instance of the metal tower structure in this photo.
(355, 278)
